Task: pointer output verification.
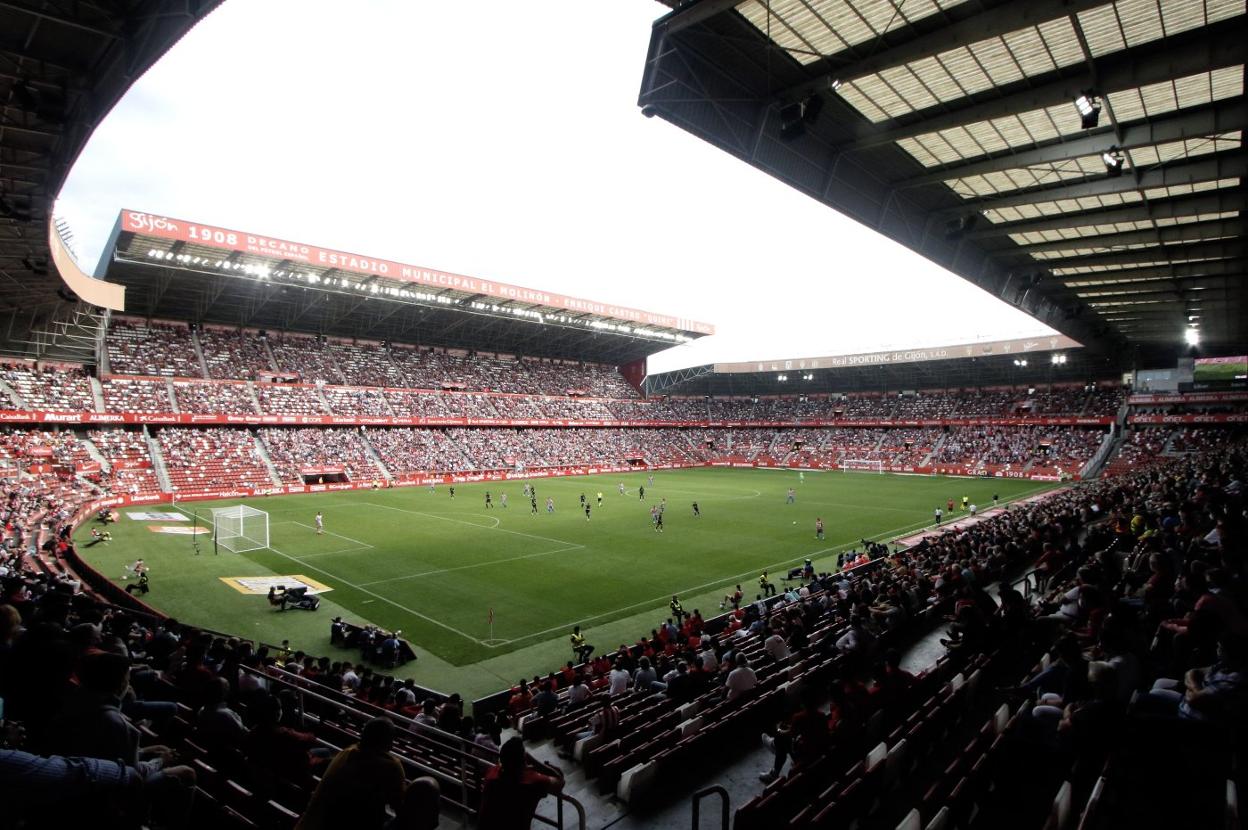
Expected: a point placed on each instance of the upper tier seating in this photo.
(51, 388)
(135, 348)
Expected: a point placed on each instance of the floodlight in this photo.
(1113, 161)
(1089, 107)
(782, 378)
(1020, 363)
(1058, 359)
(1192, 336)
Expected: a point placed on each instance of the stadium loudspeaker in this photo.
(649, 111)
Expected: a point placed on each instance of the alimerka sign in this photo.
(147, 224)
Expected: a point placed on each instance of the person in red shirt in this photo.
(511, 790)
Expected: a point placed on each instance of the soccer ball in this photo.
(795, 522)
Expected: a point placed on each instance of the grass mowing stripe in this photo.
(472, 524)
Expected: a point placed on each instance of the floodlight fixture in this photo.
(1089, 106)
(1113, 159)
(1192, 336)
(1020, 363)
(1058, 359)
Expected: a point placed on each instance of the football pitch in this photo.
(435, 567)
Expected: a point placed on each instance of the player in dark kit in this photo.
(697, 512)
(533, 504)
(641, 492)
(658, 523)
(452, 492)
(488, 501)
(587, 511)
(582, 499)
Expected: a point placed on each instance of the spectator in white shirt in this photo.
(618, 681)
(741, 679)
(775, 646)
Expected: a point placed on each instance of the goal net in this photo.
(866, 464)
(241, 528)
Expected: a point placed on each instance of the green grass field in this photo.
(433, 567)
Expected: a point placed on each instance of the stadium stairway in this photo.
(158, 461)
(173, 398)
(940, 442)
(18, 402)
(376, 459)
(97, 394)
(251, 387)
(199, 354)
(93, 451)
(263, 454)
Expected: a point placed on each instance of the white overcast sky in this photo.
(503, 140)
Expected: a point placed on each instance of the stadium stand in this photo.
(125, 395)
(214, 398)
(155, 349)
(127, 453)
(292, 450)
(207, 459)
(231, 354)
(50, 387)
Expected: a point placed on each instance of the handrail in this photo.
(714, 789)
(558, 820)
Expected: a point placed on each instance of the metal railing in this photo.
(557, 821)
(714, 789)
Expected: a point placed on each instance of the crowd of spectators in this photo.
(1019, 447)
(51, 388)
(214, 398)
(407, 450)
(158, 349)
(292, 450)
(230, 354)
(127, 453)
(289, 399)
(206, 459)
(125, 395)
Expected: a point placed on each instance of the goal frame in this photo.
(240, 528)
(862, 465)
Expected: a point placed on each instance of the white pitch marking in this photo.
(329, 533)
(475, 565)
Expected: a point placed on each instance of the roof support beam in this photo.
(1175, 270)
(1195, 204)
(693, 14)
(1169, 234)
(1220, 249)
(1188, 53)
(1230, 164)
(1175, 285)
(1209, 119)
(998, 19)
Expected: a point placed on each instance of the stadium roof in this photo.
(1080, 159)
(1033, 360)
(63, 66)
(175, 269)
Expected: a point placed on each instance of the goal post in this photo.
(240, 528)
(862, 465)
